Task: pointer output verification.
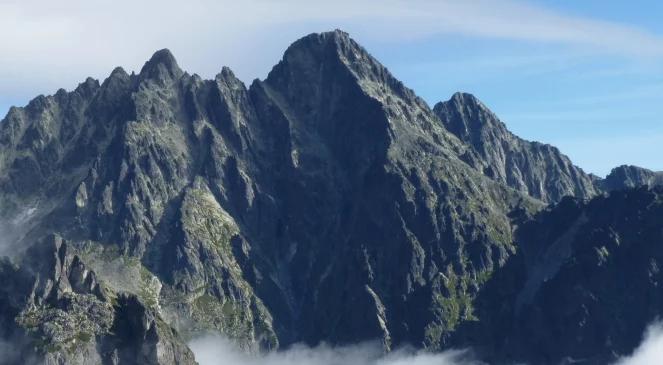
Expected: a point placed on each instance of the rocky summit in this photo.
(326, 203)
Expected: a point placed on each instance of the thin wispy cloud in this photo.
(67, 39)
(517, 20)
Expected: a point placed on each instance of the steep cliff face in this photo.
(324, 203)
(583, 288)
(388, 231)
(537, 169)
(117, 169)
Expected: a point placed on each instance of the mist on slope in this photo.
(10, 353)
(215, 350)
(13, 228)
(650, 350)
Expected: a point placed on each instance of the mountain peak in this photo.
(465, 116)
(329, 55)
(629, 176)
(509, 159)
(317, 47)
(327, 48)
(161, 64)
(466, 101)
(465, 97)
(306, 60)
(336, 36)
(163, 56)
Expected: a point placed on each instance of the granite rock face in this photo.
(583, 288)
(325, 203)
(56, 311)
(383, 235)
(537, 169)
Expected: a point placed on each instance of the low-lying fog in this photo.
(215, 350)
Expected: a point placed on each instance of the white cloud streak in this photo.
(50, 44)
(214, 350)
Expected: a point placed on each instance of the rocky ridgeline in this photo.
(627, 176)
(537, 169)
(325, 203)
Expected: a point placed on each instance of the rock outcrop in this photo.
(628, 176)
(537, 169)
(55, 311)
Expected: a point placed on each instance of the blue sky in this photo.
(586, 76)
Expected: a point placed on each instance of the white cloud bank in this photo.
(213, 350)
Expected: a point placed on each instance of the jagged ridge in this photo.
(537, 169)
(324, 203)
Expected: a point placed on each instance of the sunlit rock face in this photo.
(326, 203)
